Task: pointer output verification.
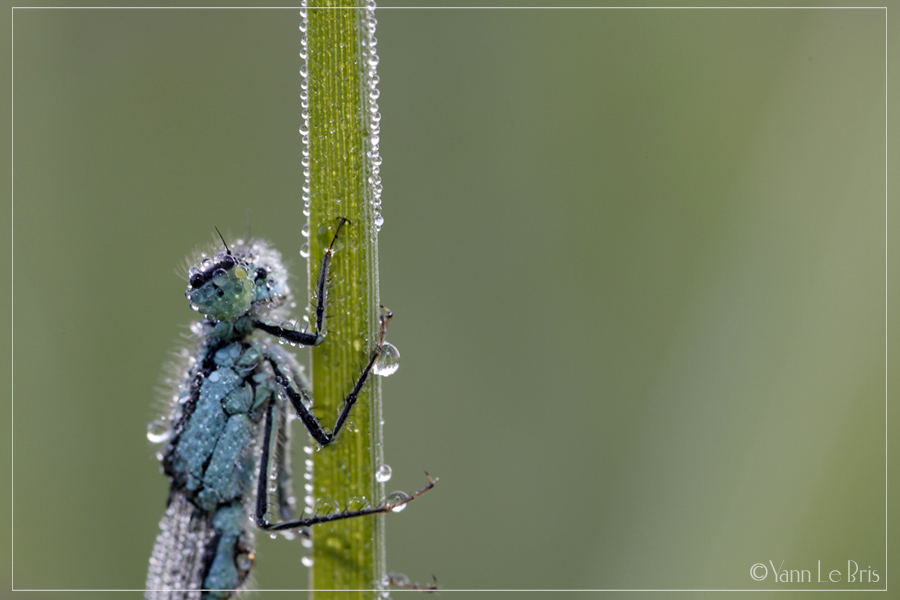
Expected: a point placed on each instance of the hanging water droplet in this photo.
(306, 561)
(326, 505)
(357, 503)
(397, 498)
(304, 250)
(388, 362)
(159, 431)
(383, 474)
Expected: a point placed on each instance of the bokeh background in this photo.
(637, 260)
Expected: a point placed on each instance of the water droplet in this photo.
(304, 250)
(244, 561)
(383, 474)
(388, 362)
(159, 431)
(357, 503)
(397, 498)
(305, 230)
(325, 235)
(326, 505)
(306, 561)
(379, 221)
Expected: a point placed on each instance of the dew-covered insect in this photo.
(218, 437)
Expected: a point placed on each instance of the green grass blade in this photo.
(343, 182)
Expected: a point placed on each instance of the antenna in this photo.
(227, 249)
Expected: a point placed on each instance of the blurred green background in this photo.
(636, 258)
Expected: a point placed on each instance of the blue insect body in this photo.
(219, 433)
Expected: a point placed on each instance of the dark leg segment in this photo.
(262, 497)
(262, 482)
(310, 421)
(321, 286)
(290, 335)
(354, 394)
(284, 496)
(301, 337)
(297, 398)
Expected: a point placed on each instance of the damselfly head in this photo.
(236, 280)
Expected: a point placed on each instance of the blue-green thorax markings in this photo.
(219, 433)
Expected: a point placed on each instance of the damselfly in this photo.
(219, 440)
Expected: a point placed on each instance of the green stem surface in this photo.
(347, 555)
